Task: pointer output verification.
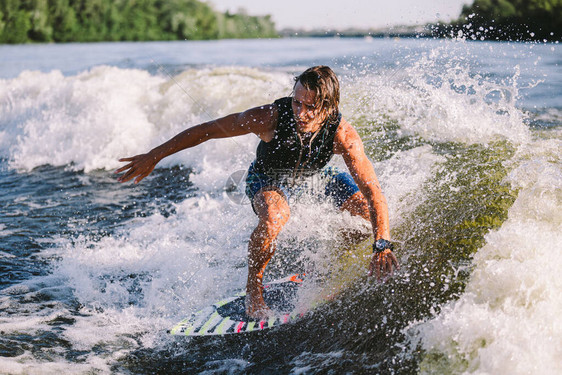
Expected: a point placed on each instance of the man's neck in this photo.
(306, 137)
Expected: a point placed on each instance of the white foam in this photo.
(91, 119)
(402, 178)
(84, 120)
(155, 272)
(5, 233)
(439, 99)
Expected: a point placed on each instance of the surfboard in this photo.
(228, 316)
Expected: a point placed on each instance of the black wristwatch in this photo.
(381, 245)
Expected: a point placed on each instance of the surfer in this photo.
(299, 135)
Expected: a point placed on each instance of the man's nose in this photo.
(302, 112)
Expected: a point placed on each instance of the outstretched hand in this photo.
(383, 264)
(139, 166)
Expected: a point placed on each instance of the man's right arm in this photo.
(259, 120)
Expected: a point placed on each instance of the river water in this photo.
(465, 138)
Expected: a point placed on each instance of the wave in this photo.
(89, 120)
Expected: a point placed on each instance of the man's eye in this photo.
(307, 106)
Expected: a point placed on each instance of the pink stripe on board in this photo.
(262, 323)
(239, 327)
(286, 318)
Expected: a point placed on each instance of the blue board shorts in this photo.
(329, 182)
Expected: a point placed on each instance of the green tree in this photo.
(16, 22)
(187, 19)
(64, 21)
(115, 26)
(17, 26)
(41, 29)
(242, 25)
(139, 20)
(91, 19)
(2, 23)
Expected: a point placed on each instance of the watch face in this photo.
(382, 244)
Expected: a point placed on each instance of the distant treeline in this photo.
(23, 21)
(483, 20)
(522, 20)
(507, 20)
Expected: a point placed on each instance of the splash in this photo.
(89, 120)
(440, 98)
(447, 145)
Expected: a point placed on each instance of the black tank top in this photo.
(286, 155)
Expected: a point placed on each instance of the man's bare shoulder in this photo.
(346, 138)
(261, 120)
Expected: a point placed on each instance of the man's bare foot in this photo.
(256, 307)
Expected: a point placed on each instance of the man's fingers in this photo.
(374, 267)
(383, 264)
(395, 261)
(388, 264)
(126, 177)
(140, 178)
(139, 167)
(131, 173)
(124, 168)
(130, 169)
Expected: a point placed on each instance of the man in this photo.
(299, 135)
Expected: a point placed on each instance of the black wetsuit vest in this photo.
(286, 155)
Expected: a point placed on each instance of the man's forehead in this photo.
(304, 95)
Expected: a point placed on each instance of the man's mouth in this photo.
(300, 122)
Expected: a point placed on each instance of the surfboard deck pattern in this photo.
(229, 317)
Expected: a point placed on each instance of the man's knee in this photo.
(272, 208)
(357, 205)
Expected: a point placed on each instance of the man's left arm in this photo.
(349, 145)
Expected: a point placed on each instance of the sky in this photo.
(339, 14)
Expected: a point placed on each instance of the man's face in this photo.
(307, 116)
